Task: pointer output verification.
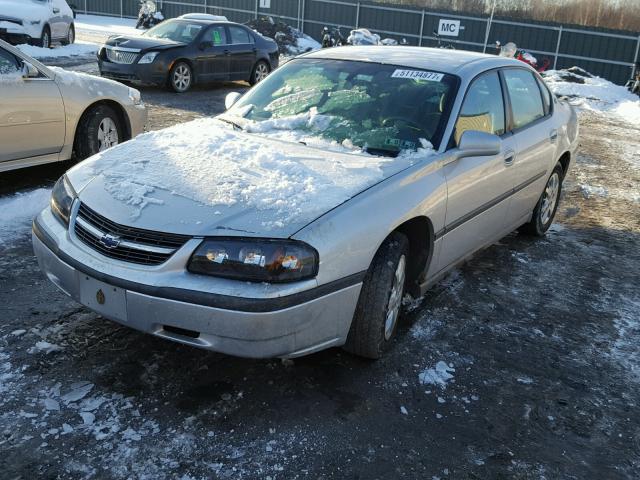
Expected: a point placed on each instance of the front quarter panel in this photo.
(348, 237)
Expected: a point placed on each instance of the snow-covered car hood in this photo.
(205, 178)
(142, 42)
(28, 11)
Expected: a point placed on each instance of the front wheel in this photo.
(380, 304)
(260, 72)
(100, 128)
(45, 38)
(180, 77)
(547, 205)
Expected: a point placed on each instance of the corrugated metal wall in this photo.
(607, 53)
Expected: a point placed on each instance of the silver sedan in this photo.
(299, 219)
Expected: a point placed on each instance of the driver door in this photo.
(32, 115)
(478, 188)
(213, 58)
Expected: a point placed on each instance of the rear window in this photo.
(239, 35)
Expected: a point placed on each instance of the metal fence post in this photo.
(205, 6)
(635, 59)
(421, 28)
(358, 15)
(302, 16)
(298, 16)
(120, 8)
(555, 59)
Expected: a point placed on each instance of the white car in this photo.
(39, 22)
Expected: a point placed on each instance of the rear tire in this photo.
(380, 304)
(547, 205)
(260, 71)
(180, 77)
(100, 128)
(71, 36)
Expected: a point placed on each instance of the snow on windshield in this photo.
(207, 161)
(380, 108)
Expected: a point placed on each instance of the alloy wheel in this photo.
(395, 299)
(107, 134)
(550, 198)
(71, 36)
(262, 71)
(46, 42)
(182, 78)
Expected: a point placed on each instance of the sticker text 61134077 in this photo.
(418, 75)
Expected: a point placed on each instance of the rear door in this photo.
(243, 52)
(32, 115)
(535, 137)
(213, 58)
(478, 188)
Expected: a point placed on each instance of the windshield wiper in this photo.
(381, 152)
(236, 126)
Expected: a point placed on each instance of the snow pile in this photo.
(438, 375)
(594, 93)
(362, 36)
(17, 212)
(208, 162)
(77, 49)
(92, 25)
(291, 41)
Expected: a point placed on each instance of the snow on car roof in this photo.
(441, 60)
(204, 16)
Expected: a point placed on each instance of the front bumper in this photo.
(271, 326)
(13, 37)
(146, 74)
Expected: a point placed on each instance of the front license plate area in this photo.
(107, 300)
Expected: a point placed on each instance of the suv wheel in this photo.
(45, 38)
(71, 36)
(380, 304)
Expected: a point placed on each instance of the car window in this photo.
(239, 35)
(526, 101)
(8, 63)
(175, 30)
(546, 96)
(383, 109)
(217, 35)
(483, 107)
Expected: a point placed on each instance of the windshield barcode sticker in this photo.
(418, 75)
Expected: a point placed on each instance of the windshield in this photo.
(175, 30)
(383, 109)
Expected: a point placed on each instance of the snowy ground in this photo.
(522, 364)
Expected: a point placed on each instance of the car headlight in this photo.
(255, 259)
(134, 96)
(62, 198)
(148, 57)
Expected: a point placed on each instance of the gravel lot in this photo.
(539, 339)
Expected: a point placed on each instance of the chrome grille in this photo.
(121, 56)
(128, 244)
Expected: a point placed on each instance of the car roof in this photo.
(206, 21)
(455, 62)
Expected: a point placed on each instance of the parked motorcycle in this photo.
(332, 38)
(447, 46)
(633, 85)
(148, 16)
(510, 50)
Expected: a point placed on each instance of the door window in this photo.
(239, 35)
(526, 101)
(8, 64)
(217, 36)
(483, 107)
(546, 96)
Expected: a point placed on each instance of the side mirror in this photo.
(474, 143)
(29, 71)
(231, 99)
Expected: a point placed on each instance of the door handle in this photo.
(509, 158)
(56, 10)
(226, 52)
(553, 136)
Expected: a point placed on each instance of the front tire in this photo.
(100, 128)
(45, 38)
(380, 304)
(547, 205)
(260, 71)
(180, 77)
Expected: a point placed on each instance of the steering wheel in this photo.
(399, 121)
